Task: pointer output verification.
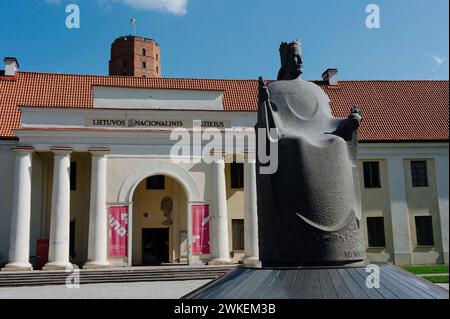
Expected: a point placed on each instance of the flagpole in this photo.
(134, 22)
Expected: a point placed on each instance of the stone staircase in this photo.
(116, 275)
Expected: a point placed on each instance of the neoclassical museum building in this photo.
(88, 174)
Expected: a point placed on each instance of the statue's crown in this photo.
(285, 47)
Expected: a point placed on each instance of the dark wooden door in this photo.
(155, 246)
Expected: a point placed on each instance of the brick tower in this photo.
(135, 56)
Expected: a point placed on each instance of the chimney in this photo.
(11, 66)
(330, 76)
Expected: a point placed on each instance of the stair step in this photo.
(42, 278)
(105, 280)
(118, 276)
(46, 273)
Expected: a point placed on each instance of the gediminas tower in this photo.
(135, 56)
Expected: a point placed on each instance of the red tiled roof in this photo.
(392, 110)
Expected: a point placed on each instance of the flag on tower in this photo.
(134, 23)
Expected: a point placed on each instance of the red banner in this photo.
(200, 229)
(118, 232)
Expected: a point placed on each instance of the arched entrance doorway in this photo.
(153, 168)
(159, 222)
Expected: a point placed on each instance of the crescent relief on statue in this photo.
(334, 228)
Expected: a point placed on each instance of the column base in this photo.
(17, 267)
(196, 262)
(58, 266)
(403, 259)
(218, 262)
(252, 262)
(97, 265)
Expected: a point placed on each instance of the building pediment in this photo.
(156, 99)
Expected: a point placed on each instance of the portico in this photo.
(107, 175)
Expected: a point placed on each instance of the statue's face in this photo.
(295, 63)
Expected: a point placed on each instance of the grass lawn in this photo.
(437, 279)
(435, 269)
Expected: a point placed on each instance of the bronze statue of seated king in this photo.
(309, 210)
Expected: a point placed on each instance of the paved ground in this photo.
(141, 290)
(443, 286)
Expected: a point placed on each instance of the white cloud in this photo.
(439, 61)
(178, 7)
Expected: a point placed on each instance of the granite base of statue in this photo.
(309, 208)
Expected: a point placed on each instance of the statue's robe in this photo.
(311, 204)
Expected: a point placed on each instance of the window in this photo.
(72, 239)
(144, 52)
(375, 231)
(424, 231)
(237, 175)
(157, 57)
(144, 65)
(157, 69)
(156, 182)
(419, 173)
(73, 176)
(238, 234)
(371, 174)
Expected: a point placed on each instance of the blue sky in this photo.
(234, 39)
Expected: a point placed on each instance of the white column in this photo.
(98, 217)
(251, 256)
(399, 211)
(19, 245)
(442, 190)
(219, 221)
(58, 256)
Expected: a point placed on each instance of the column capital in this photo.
(23, 149)
(61, 150)
(99, 151)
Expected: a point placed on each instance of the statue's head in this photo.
(291, 60)
(166, 205)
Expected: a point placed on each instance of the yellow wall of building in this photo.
(376, 203)
(423, 201)
(235, 206)
(80, 204)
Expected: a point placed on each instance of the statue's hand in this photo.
(354, 119)
(263, 90)
(264, 93)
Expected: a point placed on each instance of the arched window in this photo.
(157, 57)
(144, 52)
(144, 65)
(157, 69)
